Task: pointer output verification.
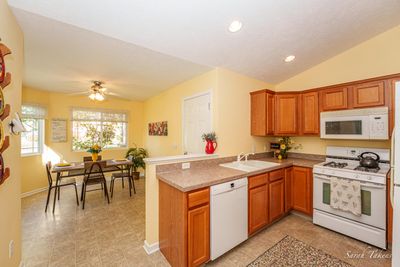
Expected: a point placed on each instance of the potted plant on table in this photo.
(94, 150)
(137, 155)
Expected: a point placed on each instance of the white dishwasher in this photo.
(228, 216)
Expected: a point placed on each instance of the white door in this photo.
(196, 121)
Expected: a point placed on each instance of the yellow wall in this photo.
(59, 106)
(230, 109)
(167, 106)
(10, 190)
(376, 57)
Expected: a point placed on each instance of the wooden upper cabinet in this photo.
(310, 113)
(286, 117)
(262, 113)
(369, 94)
(334, 99)
(302, 189)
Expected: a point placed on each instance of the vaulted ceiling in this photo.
(143, 47)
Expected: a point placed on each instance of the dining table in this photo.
(73, 169)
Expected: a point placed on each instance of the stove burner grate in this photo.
(335, 164)
(365, 169)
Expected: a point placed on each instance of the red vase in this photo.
(210, 147)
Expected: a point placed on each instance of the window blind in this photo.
(98, 115)
(33, 112)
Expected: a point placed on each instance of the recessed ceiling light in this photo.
(235, 26)
(289, 58)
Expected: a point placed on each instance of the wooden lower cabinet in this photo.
(276, 199)
(288, 189)
(184, 225)
(257, 203)
(302, 190)
(199, 235)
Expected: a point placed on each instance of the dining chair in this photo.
(94, 175)
(126, 172)
(57, 186)
(89, 158)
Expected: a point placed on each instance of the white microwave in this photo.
(368, 123)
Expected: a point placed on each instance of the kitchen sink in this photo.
(249, 165)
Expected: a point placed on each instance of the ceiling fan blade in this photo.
(79, 93)
(114, 94)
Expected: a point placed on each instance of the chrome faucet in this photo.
(243, 155)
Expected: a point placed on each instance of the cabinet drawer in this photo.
(258, 180)
(276, 175)
(197, 198)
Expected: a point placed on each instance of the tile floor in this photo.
(113, 235)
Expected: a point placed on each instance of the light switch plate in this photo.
(185, 165)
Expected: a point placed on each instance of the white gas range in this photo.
(343, 162)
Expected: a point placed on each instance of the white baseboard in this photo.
(150, 249)
(30, 193)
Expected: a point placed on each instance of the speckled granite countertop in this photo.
(195, 178)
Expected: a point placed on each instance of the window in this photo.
(105, 128)
(33, 120)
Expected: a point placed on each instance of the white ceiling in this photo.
(194, 31)
(63, 58)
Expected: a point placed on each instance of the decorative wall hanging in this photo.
(5, 79)
(158, 128)
(58, 130)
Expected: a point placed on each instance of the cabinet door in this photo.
(369, 94)
(288, 189)
(276, 199)
(310, 113)
(262, 113)
(302, 190)
(198, 235)
(258, 208)
(286, 114)
(334, 99)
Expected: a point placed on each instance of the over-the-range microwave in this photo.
(367, 123)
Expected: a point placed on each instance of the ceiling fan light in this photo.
(92, 96)
(99, 97)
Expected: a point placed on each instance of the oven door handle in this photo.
(370, 185)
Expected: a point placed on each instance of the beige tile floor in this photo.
(113, 235)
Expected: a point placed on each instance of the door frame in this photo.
(207, 92)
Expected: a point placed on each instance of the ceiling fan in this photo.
(97, 91)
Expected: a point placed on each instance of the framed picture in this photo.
(158, 128)
(59, 130)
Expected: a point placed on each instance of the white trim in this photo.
(38, 190)
(179, 158)
(150, 249)
(33, 192)
(208, 92)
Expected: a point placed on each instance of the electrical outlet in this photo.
(10, 249)
(185, 165)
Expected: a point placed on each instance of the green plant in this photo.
(209, 136)
(95, 149)
(285, 145)
(138, 154)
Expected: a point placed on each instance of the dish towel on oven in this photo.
(346, 195)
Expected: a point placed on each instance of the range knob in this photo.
(369, 177)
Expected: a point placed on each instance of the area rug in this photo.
(292, 252)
